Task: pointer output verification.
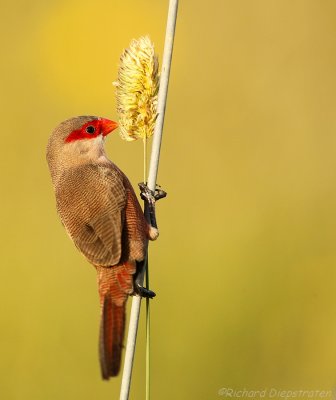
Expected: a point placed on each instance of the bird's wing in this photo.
(91, 200)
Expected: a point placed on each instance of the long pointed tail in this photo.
(112, 327)
(115, 284)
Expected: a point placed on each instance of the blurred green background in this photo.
(245, 265)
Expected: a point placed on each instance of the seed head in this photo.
(137, 89)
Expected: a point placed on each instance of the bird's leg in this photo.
(138, 280)
(150, 198)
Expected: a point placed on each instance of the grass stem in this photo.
(153, 171)
(148, 349)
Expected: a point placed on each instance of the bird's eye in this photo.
(90, 129)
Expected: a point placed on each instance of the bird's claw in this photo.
(143, 292)
(148, 195)
(159, 193)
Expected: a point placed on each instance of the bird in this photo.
(101, 213)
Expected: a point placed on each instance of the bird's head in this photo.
(82, 129)
(78, 140)
(86, 128)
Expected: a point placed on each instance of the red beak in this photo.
(108, 126)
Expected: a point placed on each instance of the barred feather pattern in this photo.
(100, 211)
(114, 286)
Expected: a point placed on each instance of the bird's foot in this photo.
(150, 198)
(148, 195)
(143, 292)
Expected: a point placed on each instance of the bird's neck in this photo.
(78, 153)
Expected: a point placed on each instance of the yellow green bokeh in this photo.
(244, 269)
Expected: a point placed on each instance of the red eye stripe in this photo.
(80, 134)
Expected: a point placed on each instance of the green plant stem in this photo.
(145, 159)
(147, 299)
(147, 337)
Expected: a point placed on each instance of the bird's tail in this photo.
(115, 284)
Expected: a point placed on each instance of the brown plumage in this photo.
(101, 213)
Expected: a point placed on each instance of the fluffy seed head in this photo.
(137, 89)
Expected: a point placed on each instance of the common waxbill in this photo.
(100, 212)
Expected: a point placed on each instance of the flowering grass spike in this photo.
(137, 89)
